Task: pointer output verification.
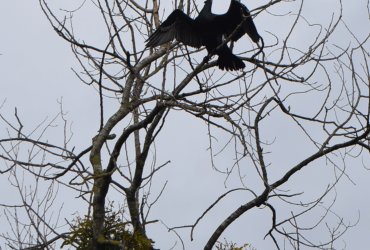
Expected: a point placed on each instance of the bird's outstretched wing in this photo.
(177, 25)
(229, 21)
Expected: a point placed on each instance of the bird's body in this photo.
(209, 30)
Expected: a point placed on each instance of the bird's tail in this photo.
(229, 61)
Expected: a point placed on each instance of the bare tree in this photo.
(148, 84)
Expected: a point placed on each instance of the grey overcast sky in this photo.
(35, 74)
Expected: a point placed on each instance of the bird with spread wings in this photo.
(209, 30)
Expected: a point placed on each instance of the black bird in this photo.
(209, 30)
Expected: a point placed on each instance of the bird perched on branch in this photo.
(209, 30)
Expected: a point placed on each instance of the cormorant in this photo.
(209, 30)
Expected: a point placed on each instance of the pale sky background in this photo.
(35, 72)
